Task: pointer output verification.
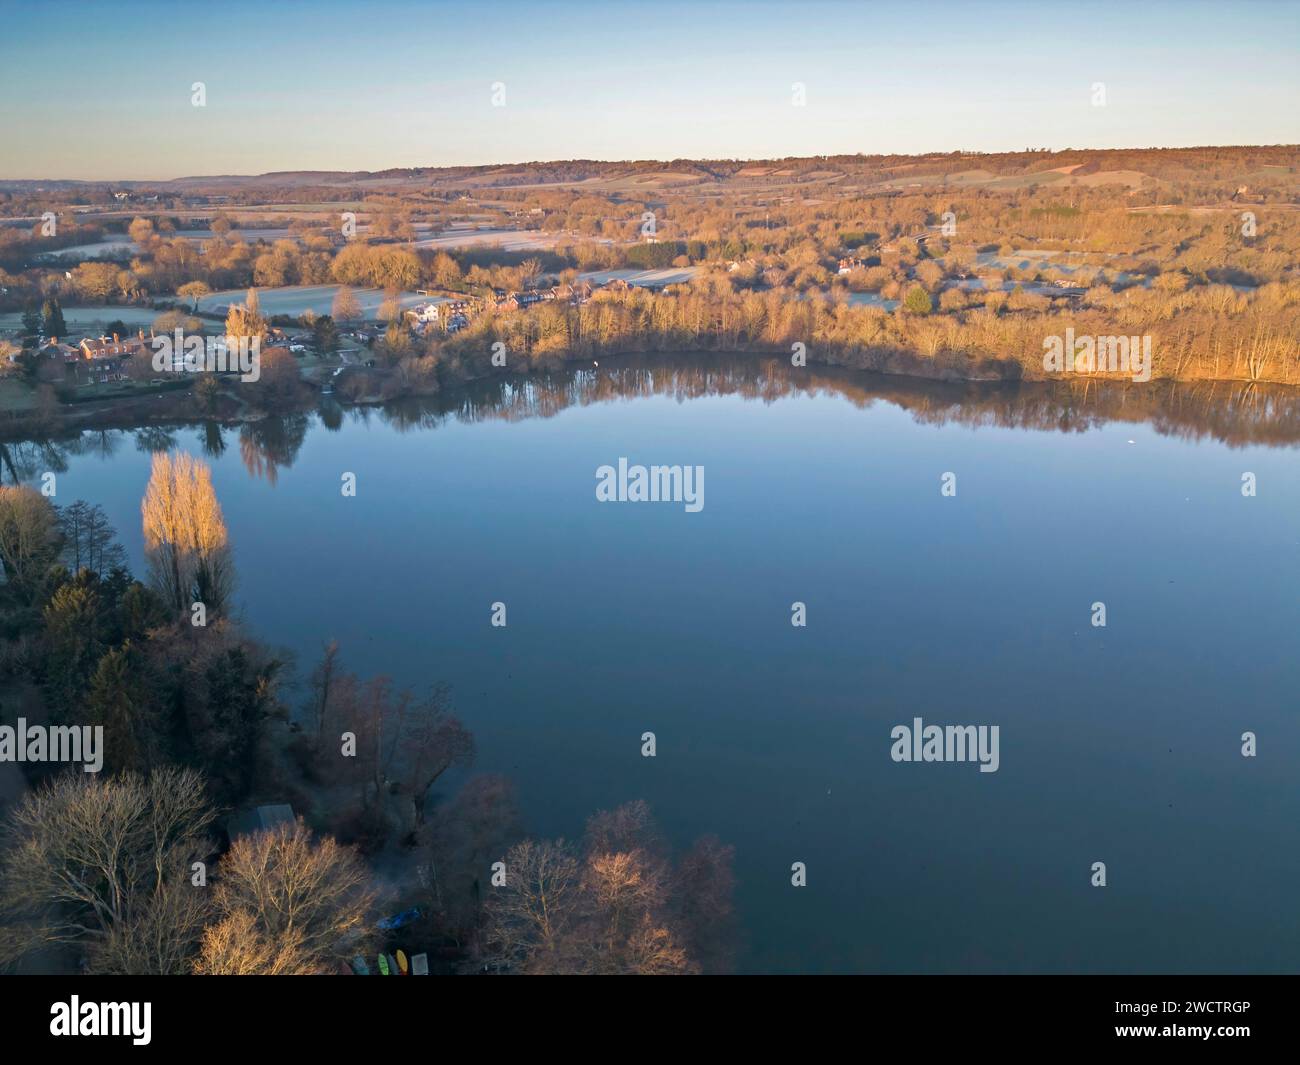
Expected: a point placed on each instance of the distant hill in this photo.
(1276, 165)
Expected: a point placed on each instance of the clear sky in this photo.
(103, 90)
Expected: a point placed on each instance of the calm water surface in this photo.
(1119, 744)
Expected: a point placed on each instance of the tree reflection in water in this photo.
(1237, 414)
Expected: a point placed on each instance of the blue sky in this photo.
(95, 90)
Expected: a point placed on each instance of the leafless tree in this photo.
(28, 534)
(106, 862)
(290, 884)
(614, 907)
(89, 541)
(237, 946)
(531, 918)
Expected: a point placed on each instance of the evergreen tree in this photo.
(52, 319)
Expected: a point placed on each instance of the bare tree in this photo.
(531, 918)
(236, 946)
(425, 739)
(89, 541)
(346, 307)
(625, 828)
(703, 887)
(615, 908)
(529, 271)
(315, 891)
(106, 863)
(28, 535)
(652, 950)
(161, 939)
(319, 685)
(390, 310)
(463, 838)
(624, 888)
(403, 745)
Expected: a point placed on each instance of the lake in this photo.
(1119, 744)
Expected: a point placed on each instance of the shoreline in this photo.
(174, 407)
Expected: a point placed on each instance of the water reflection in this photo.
(1236, 414)
(214, 440)
(154, 438)
(270, 443)
(1233, 413)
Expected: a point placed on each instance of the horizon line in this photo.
(661, 161)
